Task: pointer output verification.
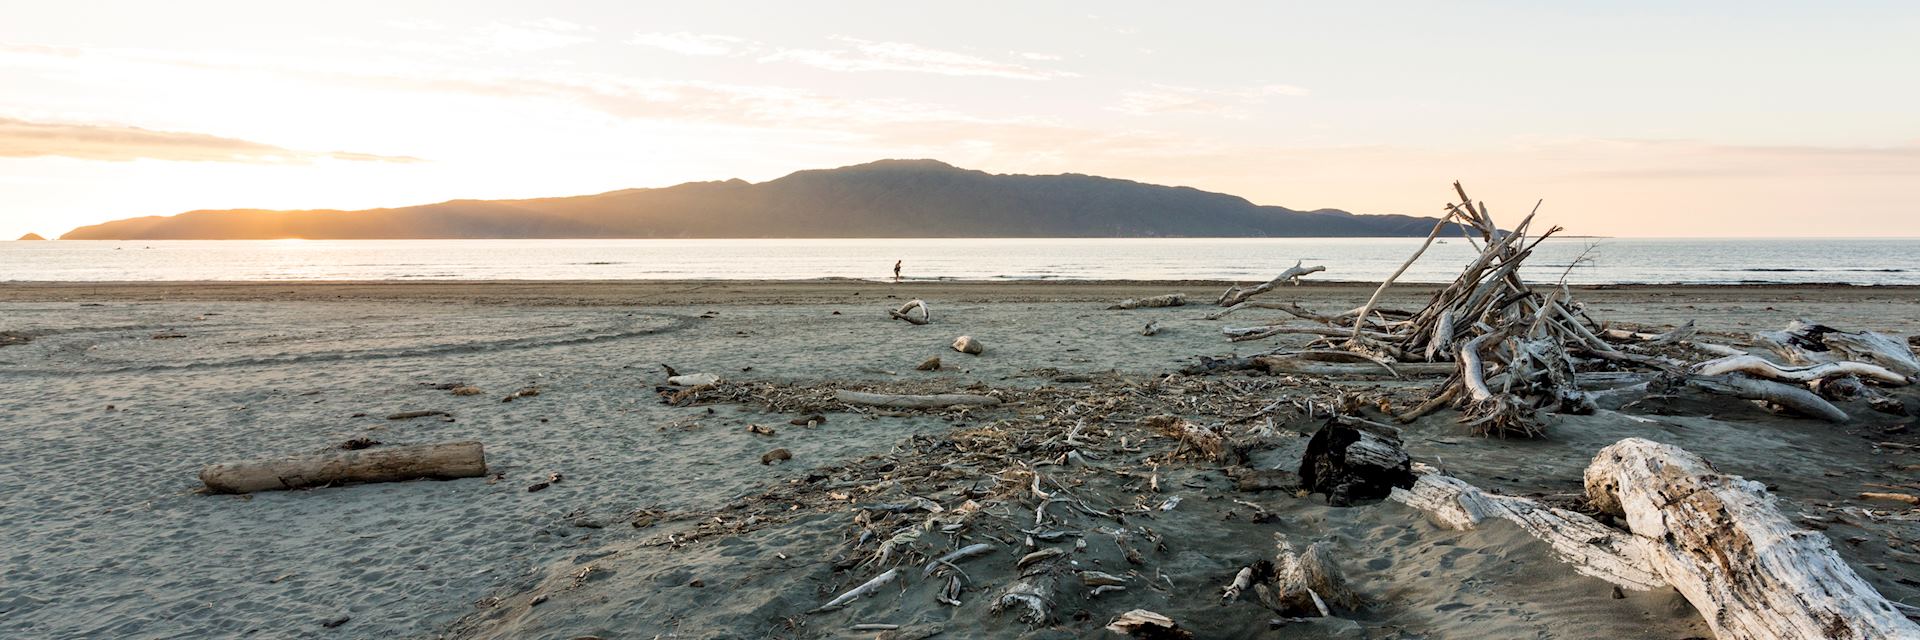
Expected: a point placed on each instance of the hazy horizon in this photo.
(1639, 120)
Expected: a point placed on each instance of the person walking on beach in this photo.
(896, 270)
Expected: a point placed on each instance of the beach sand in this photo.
(113, 396)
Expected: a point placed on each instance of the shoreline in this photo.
(823, 290)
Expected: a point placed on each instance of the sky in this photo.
(1625, 118)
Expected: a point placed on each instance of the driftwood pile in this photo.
(1516, 353)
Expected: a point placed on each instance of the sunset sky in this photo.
(1631, 119)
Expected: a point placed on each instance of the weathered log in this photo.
(905, 312)
(1807, 343)
(1759, 367)
(1798, 399)
(1592, 548)
(391, 464)
(936, 401)
(1721, 541)
(1152, 302)
(1286, 364)
(1349, 464)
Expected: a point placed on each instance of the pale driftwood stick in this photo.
(858, 592)
(1168, 300)
(1292, 274)
(389, 464)
(937, 401)
(1208, 442)
(1431, 405)
(1796, 398)
(903, 313)
(1761, 368)
(1360, 319)
(1592, 548)
(1721, 541)
(958, 554)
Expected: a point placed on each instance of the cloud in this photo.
(1042, 57)
(25, 139)
(869, 55)
(1230, 103)
(696, 44)
(529, 35)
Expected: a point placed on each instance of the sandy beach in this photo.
(666, 523)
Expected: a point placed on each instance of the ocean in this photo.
(1579, 261)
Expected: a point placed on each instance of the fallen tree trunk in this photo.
(1723, 544)
(936, 401)
(392, 464)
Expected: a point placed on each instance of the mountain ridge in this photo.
(885, 198)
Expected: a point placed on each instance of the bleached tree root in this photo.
(936, 401)
(1722, 542)
(905, 312)
(1033, 593)
(389, 464)
(1759, 367)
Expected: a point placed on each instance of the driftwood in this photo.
(1210, 443)
(937, 401)
(1807, 343)
(1759, 367)
(968, 345)
(1309, 583)
(1723, 544)
(905, 312)
(392, 464)
(1236, 295)
(693, 380)
(1797, 399)
(1033, 592)
(1167, 300)
(865, 589)
(1592, 548)
(1349, 464)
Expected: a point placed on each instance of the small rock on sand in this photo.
(968, 345)
(931, 364)
(775, 455)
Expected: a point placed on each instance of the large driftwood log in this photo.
(1592, 548)
(1762, 368)
(937, 401)
(1723, 544)
(1807, 343)
(1349, 464)
(390, 464)
(1798, 399)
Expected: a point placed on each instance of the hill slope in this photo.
(889, 198)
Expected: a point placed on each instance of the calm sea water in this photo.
(1861, 261)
